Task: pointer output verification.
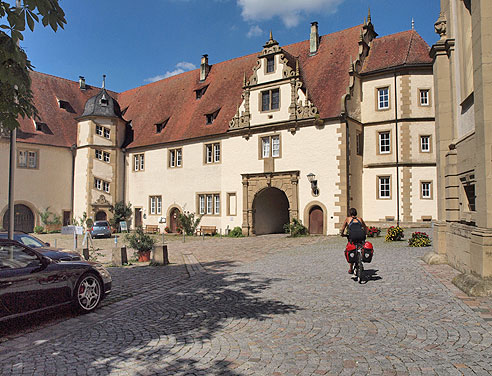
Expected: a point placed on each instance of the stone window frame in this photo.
(266, 71)
(157, 201)
(378, 142)
(377, 103)
(419, 99)
(29, 151)
(138, 162)
(205, 196)
(170, 157)
(431, 190)
(378, 187)
(213, 145)
(228, 202)
(101, 155)
(102, 185)
(260, 100)
(421, 136)
(260, 145)
(101, 131)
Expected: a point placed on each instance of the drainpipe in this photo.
(347, 162)
(124, 175)
(397, 157)
(73, 148)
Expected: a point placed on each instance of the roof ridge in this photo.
(409, 47)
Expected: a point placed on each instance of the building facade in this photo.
(463, 72)
(301, 131)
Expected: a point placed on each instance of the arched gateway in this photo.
(270, 200)
(23, 219)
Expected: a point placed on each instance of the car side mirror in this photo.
(48, 244)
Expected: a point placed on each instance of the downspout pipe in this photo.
(73, 149)
(397, 155)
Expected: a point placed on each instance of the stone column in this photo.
(245, 225)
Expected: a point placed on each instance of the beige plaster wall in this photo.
(371, 144)
(369, 98)
(81, 184)
(377, 209)
(47, 186)
(282, 114)
(423, 207)
(421, 80)
(267, 77)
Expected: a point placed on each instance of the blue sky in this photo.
(135, 42)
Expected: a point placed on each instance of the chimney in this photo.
(82, 82)
(204, 68)
(314, 39)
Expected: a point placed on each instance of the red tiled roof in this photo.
(325, 75)
(405, 48)
(61, 123)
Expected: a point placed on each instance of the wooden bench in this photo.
(208, 230)
(152, 229)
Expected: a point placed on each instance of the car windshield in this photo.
(101, 223)
(25, 239)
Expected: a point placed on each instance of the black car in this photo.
(45, 248)
(31, 282)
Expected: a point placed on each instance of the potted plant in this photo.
(141, 242)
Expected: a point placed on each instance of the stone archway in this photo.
(174, 213)
(255, 183)
(23, 219)
(101, 215)
(316, 211)
(270, 211)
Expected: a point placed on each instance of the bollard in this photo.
(85, 253)
(55, 244)
(161, 255)
(119, 256)
(220, 232)
(184, 239)
(163, 238)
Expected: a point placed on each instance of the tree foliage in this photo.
(188, 222)
(16, 97)
(121, 212)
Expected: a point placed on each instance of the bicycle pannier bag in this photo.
(356, 231)
(368, 252)
(350, 253)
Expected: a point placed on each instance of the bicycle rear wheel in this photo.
(360, 269)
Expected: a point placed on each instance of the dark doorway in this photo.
(270, 211)
(316, 220)
(138, 217)
(173, 219)
(66, 217)
(101, 215)
(23, 219)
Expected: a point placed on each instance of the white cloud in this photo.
(254, 31)
(289, 11)
(181, 67)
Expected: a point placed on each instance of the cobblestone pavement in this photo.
(291, 310)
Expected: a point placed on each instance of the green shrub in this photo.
(121, 212)
(140, 241)
(419, 239)
(49, 218)
(188, 223)
(236, 232)
(296, 228)
(395, 233)
(38, 229)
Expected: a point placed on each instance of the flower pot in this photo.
(144, 256)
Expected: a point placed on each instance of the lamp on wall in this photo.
(314, 183)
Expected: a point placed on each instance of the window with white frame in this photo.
(99, 154)
(270, 146)
(175, 158)
(270, 100)
(102, 131)
(138, 162)
(384, 142)
(209, 204)
(426, 189)
(425, 146)
(27, 159)
(106, 156)
(383, 98)
(270, 64)
(384, 187)
(106, 132)
(155, 204)
(424, 97)
(105, 185)
(98, 184)
(101, 185)
(212, 153)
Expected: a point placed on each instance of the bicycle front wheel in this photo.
(360, 270)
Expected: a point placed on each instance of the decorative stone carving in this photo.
(440, 25)
(101, 201)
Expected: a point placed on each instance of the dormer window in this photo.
(200, 92)
(103, 101)
(41, 127)
(160, 126)
(270, 100)
(65, 105)
(211, 117)
(270, 64)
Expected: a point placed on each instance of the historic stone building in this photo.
(299, 131)
(463, 76)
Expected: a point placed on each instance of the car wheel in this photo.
(88, 293)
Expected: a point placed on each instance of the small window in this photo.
(384, 188)
(106, 156)
(201, 204)
(201, 92)
(231, 204)
(216, 204)
(101, 185)
(384, 142)
(424, 97)
(106, 132)
(105, 186)
(27, 159)
(155, 205)
(270, 100)
(470, 196)
(160, 126)
(99, 154)
(359, 143)
(98, 184)
(42, 127)
(270, 66)
(425, 146)
(383, 98)
(209, 204)
(211, 117)
(99, 130)
(65, 105)
(212, 153)
(426, 190)
(175, 158)
(138, 162)
(270, 147)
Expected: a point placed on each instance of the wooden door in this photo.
(173, 220)
(138, 217)
(316, 220)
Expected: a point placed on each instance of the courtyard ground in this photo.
(266, 305)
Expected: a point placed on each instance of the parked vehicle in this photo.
(45, 248)
(101, 229)
(31, 282)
